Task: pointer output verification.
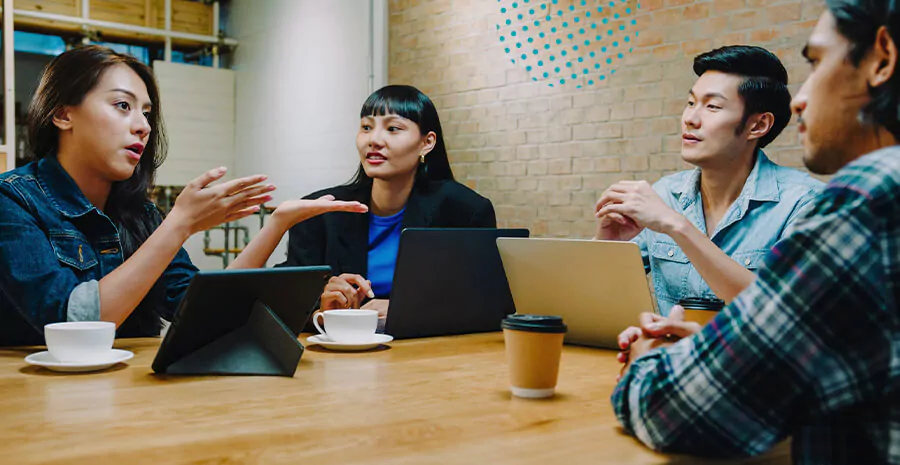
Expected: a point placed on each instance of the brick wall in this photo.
(544, 154)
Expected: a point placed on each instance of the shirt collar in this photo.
(61, 189)
(761, 184)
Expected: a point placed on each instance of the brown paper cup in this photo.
(699, 316)
(700, 310)
(533, 359)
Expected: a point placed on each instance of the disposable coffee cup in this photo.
(701, 310)
(533, 349)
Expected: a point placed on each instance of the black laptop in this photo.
(241, 322)
(449, 281)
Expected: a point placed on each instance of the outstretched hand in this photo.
(291, 212)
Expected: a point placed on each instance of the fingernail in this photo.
(371, 294)
(654, 326)
(222, 169)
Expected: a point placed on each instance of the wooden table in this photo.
(440, 400)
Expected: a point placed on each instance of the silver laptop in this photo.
(599, 288)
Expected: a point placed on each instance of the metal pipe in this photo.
(9, 79)
(86, 9)
(123, 27)
(371, 46)
(168, 26)
(215, 31)
(379, 44)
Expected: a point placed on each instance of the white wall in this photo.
(198, 104)
(302, 74)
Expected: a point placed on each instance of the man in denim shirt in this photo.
(703, 233)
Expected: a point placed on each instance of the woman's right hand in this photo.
(345, 291)
(200, 206)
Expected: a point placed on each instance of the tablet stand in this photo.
(264, 345)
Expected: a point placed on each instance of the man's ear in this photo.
(883, 59)
(761, 126)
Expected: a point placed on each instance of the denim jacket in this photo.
(55, 246)
(771, 200)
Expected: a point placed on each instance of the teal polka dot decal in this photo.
(593, 36)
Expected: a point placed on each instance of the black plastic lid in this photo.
(534, 323)
(700, 303)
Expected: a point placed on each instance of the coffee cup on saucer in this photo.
(347, 326)
(80, 341)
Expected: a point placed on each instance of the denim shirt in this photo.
(772, 198)
(55, 246)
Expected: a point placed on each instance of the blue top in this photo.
(55, 246)
(384, 242)
(772, 198)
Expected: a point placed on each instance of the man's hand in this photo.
(633, 206)
(654, 331)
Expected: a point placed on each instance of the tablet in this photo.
(241, 321)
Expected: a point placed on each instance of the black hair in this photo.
(764, 88)
(410, 103)
(859, 21)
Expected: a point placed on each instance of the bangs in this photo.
(394, 100)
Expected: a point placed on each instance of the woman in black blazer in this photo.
(405, 179)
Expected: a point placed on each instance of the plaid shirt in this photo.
(811, 349)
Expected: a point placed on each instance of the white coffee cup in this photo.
(80, 341)
(347, 326)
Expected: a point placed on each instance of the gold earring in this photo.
(422, 159)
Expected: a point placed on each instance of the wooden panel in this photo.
(2, 162)
(187, 16)
(58, 7)
(193, 17)
(421, 401)
(132, 12)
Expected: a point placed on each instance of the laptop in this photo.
(449, 281)
(241, 322)
(599, 288)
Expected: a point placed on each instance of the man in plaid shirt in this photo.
(812, 348)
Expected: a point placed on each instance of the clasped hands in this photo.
(654, 331)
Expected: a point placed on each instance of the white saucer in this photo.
(44, 359)
(327, 343)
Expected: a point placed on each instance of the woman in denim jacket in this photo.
(79, 238)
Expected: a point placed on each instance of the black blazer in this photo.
(341, 240)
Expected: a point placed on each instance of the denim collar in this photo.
(761, 184)
(61, 189)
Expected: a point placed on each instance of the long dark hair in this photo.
(859, 21)
(412, 104)
(65, 82)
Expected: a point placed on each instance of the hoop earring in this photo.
(422, 159)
